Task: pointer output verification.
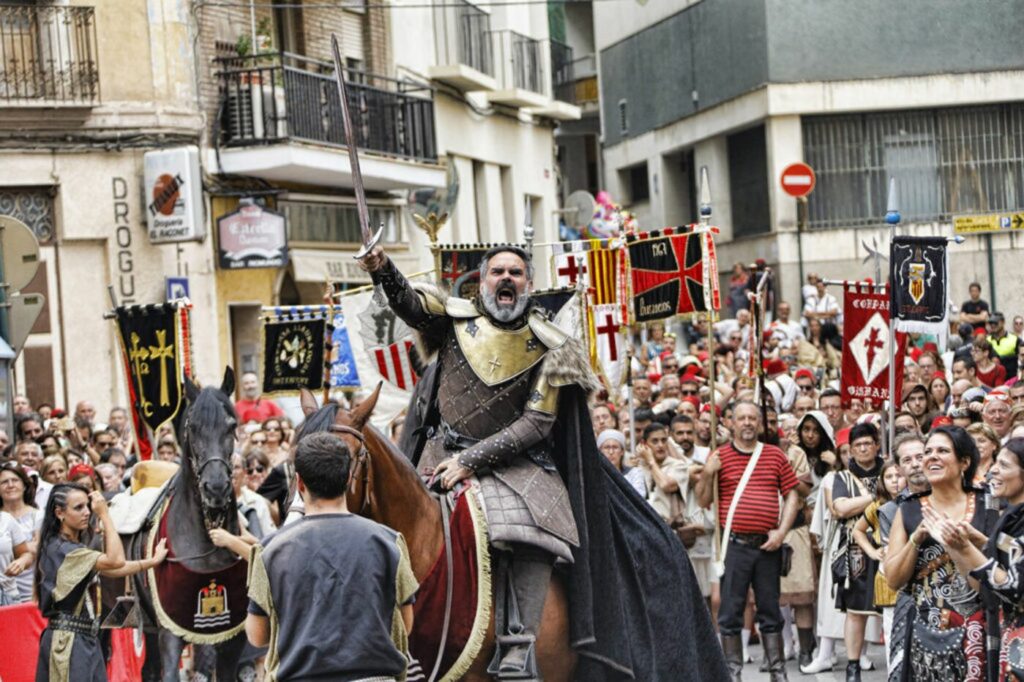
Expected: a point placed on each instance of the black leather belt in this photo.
(453, 440)
(749, 539)
(79, 625)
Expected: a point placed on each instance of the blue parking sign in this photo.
(177, 287)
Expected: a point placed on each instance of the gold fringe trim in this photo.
(482, 621)
(165, 620)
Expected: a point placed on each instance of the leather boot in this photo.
(531, 573)
(853, 671)
(732, 647)
(806, 636)
(774, 653)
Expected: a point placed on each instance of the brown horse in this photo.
(386, 488)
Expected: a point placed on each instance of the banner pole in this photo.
(892, 217)
(629, 399)
(328, 337)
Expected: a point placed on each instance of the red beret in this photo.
(706, 407)
(941, 420)
(804, 372)
(691, 374)
(692, 399)
(930, 346)
(843, 436)
(81, 470)
(775, 367)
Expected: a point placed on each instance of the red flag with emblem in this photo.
(865, 373)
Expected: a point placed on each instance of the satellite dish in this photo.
(430, 207)
(579, 209)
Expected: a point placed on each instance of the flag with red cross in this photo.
(671, 275)
(607, 344)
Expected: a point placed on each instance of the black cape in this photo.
(636, 610)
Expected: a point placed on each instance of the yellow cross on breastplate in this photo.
(497, 355)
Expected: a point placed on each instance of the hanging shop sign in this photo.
(174, 195)
(252, 237)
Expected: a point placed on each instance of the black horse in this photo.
(201, 497)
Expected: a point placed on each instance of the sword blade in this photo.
(350, 142)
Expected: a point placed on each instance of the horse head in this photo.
(208, 441)
(348, 426)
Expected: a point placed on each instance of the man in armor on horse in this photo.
(505, 403)
(500, 368)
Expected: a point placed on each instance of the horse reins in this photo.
(197, 472)
(362, 466)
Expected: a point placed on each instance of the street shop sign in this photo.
(174, 195)
(252, 237)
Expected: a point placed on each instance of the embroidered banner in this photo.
(343, 363)
(669, 277)
(608, 344)
(293, 353)
(381, 347)
(202, 608)
(150, 340)
(919, 277)
(865, 374)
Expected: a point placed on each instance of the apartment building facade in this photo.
(920, 91)
(248, 90)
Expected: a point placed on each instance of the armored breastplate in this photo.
(486, 375)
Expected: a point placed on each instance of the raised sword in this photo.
(370, 239)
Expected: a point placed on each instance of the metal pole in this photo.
(801, 225)
(705, 221)
(629, 399)
(991, 271)
(892, 217)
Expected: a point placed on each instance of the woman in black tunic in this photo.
(68, 647)
(999, 567)
(945, 637)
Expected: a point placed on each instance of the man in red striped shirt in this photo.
(752, 550)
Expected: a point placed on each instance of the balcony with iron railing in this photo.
(576, 82)
(465, 54)
(48, 56)
(519, 70)
(280, 100)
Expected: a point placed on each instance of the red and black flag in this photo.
(671, 275)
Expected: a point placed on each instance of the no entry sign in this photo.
(798, 180)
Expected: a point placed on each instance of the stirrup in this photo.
(503, 646)
(125, 614)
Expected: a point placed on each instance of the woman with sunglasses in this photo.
(257, 466)
(276, 448)
(69, 648)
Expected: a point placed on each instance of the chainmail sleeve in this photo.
(514, 440)
(403, 299)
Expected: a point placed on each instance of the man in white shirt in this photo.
(822, 305)
(789, 332)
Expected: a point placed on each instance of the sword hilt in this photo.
(368, 246)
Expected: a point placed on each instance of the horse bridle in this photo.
(362, 465)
